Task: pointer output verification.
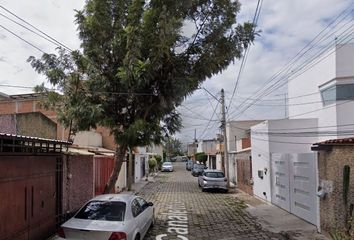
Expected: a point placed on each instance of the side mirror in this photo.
(150, 204)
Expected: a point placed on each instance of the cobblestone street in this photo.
(183, 211)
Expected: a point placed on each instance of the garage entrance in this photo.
(294, 184)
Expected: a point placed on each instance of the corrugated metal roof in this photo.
(21, 137)
(341, 141)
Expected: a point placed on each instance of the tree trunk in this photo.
(130, 170)
(118, 162)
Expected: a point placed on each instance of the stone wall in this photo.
(78, 181)
(330, 166)
(7, 124)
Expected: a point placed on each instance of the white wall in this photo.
(336, 68)
(219, 161)
(236, 130)
(122, 178)
(88, 139)
(268, 137)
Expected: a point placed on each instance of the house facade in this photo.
(320, 107)
(209, 147)
(239, 144)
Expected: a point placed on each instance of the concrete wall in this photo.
(29, 106)
(88, 139)
(8, 124)
(236, 130)
(263, 144)
(78, 181)
(36, 125)
(28, 124)
(330, 166)
(121, 182)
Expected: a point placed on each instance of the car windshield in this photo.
(198, 166)
(214, 174)
(102, 210)
(167, 164)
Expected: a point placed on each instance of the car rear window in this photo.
(214, 174)
(199, 166)
(102, 210)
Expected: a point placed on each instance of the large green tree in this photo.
(138, 62)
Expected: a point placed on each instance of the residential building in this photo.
(320, 107)
(238, 146)
(209, 148)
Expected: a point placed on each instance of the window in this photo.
(214, 174)
(338, 92)
(102, 210)
(143, 203)
(136, 208)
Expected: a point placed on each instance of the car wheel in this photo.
(137, 237)
(203, 189)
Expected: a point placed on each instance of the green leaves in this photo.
(139, 62)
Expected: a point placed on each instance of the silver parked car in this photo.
(110, 217)
(167, 167)
(213, 179)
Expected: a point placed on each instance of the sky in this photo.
(285, 28)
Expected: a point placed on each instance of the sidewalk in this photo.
(136, 187)
(277, 220)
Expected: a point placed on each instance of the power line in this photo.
(298, 56)
(244, 57)
(22, 39)
(201, 136)
(298, 70)
(49, 40)
(29, 24)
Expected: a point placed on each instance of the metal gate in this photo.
(103, 169)
(244, 175)
(28, 196)
(294, 184)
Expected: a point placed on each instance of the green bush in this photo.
(152, 163)
(159, 161)
(201, 157)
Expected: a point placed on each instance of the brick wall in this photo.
(78, 182)
(330, 166)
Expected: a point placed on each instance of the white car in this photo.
(110, 217)
(167, 167)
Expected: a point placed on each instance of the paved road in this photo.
(184, 212)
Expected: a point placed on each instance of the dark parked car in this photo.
(198, 169)
(189, 165)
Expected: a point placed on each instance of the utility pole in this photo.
(223, 122)
(194, 143)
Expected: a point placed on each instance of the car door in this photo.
(146, 214)
(136, 212)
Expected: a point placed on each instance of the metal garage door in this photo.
(294, 184)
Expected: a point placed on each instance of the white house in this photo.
(141, 158)
(320, 108)
(209, 148)
(238, 133)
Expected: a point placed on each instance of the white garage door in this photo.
(294, 184)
